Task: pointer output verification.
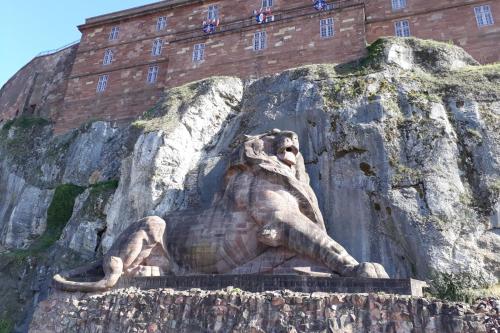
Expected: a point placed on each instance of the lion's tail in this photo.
(82, 269)
(59, 281)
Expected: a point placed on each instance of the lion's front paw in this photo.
(370, 270)
(58, 278)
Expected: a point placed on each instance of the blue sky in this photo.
(28, 27)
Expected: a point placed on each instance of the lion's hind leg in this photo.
(113, 268)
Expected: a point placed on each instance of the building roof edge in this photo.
(135, 11)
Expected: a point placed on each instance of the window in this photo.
(114, 33)
(329, 6)
(213, 12)
(152, 74)
(259, 40)
(198, 52)
(102, 83)
(398, 4)
(402, 28)
(267, 3)
(161, 24)
(108, 57)
(157, 44)
(326, 28)
(269, 18)
(483, 15)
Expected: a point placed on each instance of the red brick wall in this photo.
(289, 44)
(227, 53)
(292, 40)
(451, 20)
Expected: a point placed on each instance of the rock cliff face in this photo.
(402, 148)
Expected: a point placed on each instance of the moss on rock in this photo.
(6, 325)
(58, 214)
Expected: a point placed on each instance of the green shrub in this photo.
(25, 122)
(456, 287)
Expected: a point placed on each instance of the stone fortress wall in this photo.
(38, 89)
(292, 39)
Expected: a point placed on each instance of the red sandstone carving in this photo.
(266, 217)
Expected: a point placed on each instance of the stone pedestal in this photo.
(261, 283)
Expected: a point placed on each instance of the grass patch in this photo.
(491, 291)
(101, 187)
(481, 82)
(166, 123)
(165, 115)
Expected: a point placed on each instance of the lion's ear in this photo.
(275, 131)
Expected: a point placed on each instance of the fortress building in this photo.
(125, 59)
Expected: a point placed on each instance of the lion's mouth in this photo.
(288, 155)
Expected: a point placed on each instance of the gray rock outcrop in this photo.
(155, 178)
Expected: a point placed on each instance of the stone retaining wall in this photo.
(233, 310)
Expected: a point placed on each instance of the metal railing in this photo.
(44, 53)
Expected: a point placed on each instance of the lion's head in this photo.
(277, 152)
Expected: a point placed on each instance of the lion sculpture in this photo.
(266, 219)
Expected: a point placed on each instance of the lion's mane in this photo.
(251, 155)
